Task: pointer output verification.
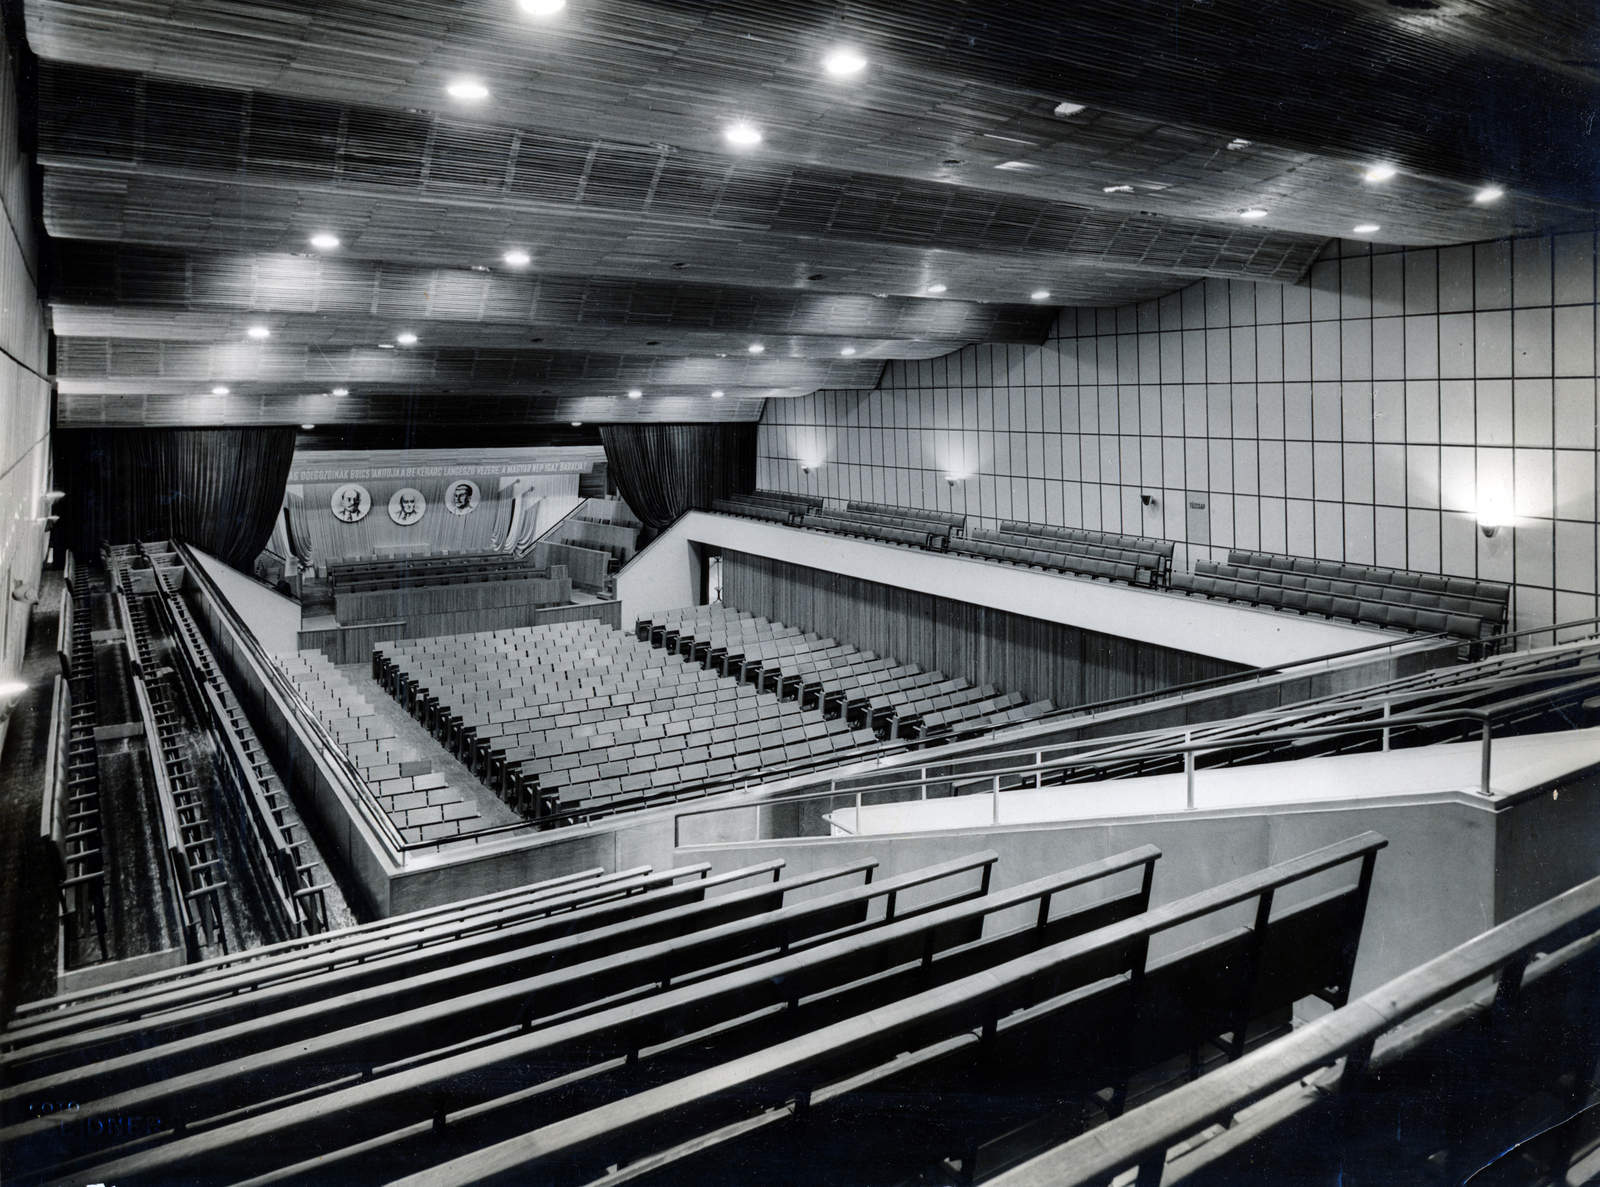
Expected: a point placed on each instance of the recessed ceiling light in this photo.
(742, 134)
(259, 332)
(844, 61)
(1117, 189)
(756, 348)
(1040, 294)
(1379, 173)
(308, 427)
(1237, 143)
(406, 339)
(219, 391)
(341, 391)
(542, 7)
(847, 351)
(516, 258)
(1252, 212)
(936, 288)
(716, 395)
(1065, 109)
(325, 242)
(634, 394)
(386, 346)
(1489, 193)
(1016, 166)
(577, 424)
(467, 88)
(1366, 228)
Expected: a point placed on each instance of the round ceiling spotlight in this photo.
(1252, 213)
(755, 348)
(1379, 173)
(634, 394)
(308, 428)
(469, 89)
(324, 242)
(936, 288)
(1366, 228)
(844, 62)
(848, 351)
(517, 259)
(541, 7)
(219, 391)
(259, 332)
(717, 395)
(1040, 294)
(406, 339)
(577, 424)
(742, 135)
(341, 391)
(1489, 193)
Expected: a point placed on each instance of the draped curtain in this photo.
(219, 489)
(661, 471)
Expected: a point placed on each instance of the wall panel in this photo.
(1369, 414)
(1041, 660)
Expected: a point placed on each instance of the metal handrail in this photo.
(1511, 952)
(1189, 749)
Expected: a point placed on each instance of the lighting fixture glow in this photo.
(1237, 143)
(324, 242)
(219, 391)
(1379, 173)
(1366, 228)
(848, 351)
(634, 394)
(516, 259)
(756, 348)
(716, 395)
(308, 427)
(1489, 193)
(1253, 212)
(1065, 109)
(467, 88)
(386, 346)
(1040, 294)
(1016, 166)
(577, 424)
(406, 339)
(12, 688)
(844, 61)
(542, 7)
(744, 135)
(936, 288)
(341, 391)
(1116, 189)
(259, 332)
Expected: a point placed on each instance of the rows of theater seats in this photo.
(896, 701)
(1078, 552)
(418, 801)
(682, 1027)
(574, 719)
(1363, 594)
(1396, 599)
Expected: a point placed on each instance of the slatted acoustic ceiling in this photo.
(537, 207)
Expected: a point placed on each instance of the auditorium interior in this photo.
(832, 593)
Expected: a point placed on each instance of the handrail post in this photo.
(1485, 774)
(858, 813)
(1188, 767)
(996, 801)
(1386, 706)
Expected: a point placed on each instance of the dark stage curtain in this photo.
(661, 471)
(219, 489)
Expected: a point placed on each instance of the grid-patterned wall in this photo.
(24, 388)
(1369, 414)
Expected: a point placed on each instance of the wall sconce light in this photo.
(10, 693)
(951, 480)
(1148, 500)
(804, 469)
(1489, 529)
(52, 497)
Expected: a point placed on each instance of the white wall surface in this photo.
(271, 617)
(1365, 415)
